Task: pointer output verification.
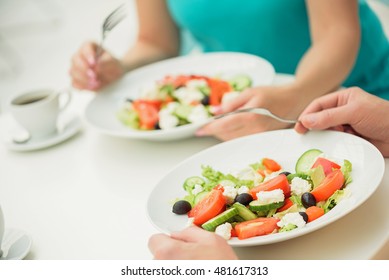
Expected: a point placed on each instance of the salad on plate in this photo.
(179, 100)
(262, 198)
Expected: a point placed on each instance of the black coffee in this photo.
(25, 101)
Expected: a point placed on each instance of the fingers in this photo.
(240, 101)
(329, 111)
(83, 66)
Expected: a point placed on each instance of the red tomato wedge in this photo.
(314, 212)
(209, 207)
(331, 183)
(327, 165)
(148, 113)
(287, 204)
(279, 182)
(271, 164)
(218, 89)
(256, 227)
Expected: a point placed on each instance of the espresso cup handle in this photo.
(68, 94)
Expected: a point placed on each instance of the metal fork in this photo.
(259, 111)
(109, 23)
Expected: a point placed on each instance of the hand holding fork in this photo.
(92, 68)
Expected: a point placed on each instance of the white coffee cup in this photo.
(2, 229)
(38, 111)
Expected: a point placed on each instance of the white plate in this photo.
(284, 146)
(101, 111)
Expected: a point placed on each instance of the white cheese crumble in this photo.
(224, 230)
(167, 121)
(196, 83)
(299, 186)
(229, 194)
(198, 114)
(188, 95)
(269, 197)
(243, 189)
(197, 189)
(292, 218)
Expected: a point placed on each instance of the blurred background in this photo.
(38, 38)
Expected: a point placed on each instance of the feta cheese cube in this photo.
(299, 186)
(269, 197)
(224, 230)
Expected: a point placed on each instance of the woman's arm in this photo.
(158, 36)
(335, 34)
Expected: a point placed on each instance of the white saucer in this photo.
(16, 244)
(70, 129)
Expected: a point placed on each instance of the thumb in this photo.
(236, 102)
(191, 234)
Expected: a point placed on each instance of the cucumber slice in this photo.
(200, 196)
(257, 207)
(183, 111)
(212, 224)
(244, 212)
(192, 181)
(306, 160)
(241, 82)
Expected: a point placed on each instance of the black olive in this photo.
(129, 100)
(181, 207)
(286, 173)
(244, 198)
(205, 100)
(305, 216)
(308, 200)
(156, 126)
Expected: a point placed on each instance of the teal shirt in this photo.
(278, 30)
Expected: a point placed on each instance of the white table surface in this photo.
(86, 199)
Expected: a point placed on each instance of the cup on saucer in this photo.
(37, 111)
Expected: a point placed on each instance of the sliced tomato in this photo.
(271, 164)
(287, 204)
(331, 183)
(209, 207)
(261, 172)
(314, 212)
(218, 89)
(256, 227)
(279, 182)
(233, 233)
(148, 113)
(327, 165)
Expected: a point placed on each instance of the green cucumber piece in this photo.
(244, 212)
(257, 207)
(191, 182)
(200, 196)
(306, 160)
(240, 82)
(183, 111)
(223, 217)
